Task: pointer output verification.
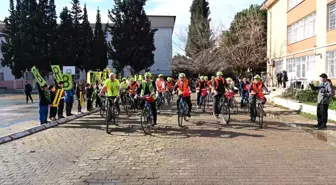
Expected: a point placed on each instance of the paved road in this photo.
(16, 115)
(207, 152)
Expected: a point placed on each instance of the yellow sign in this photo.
(58, 97)
(88, 77)
(57, 73)
(100, 76)
(38, 77)
(81, 99)
(67, 79)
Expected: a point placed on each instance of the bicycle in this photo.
(112, 113)
(182, 112)
(123, 97)
(146, 118)
(246, 105)
(203, 100)
(168, 97)
(102, 109)
(132, 103)
(232, 102)
(224, 110)
(160, 102)
(260, 101)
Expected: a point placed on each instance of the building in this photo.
(162, 54)
(301, 39)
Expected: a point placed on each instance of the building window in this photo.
(331, 63)
(2, 78)
(302, 29)
(293, 3)
(278, 66)
(332, 16)
(301, 66)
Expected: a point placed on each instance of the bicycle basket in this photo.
(149, 99)
(229, 94)
(204, 92)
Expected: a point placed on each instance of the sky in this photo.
(222, 13)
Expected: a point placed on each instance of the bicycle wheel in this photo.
(234, 106)
(180, 118)
(115, 115)
(146, 122)
(203, 103)
(185, 112)
(260, 114)
(168, 97)
(225, 113)
(108, 119)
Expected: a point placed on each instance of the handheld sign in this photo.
(100, 76)
(67, 79)
(38, 77)
(57, 98)
(88, 77)
(57, 73)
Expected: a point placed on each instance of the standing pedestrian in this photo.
(53, 109)
(325, 94)
(61, 103)
(28, 90)
(284, 78)
(69, 100)
(89, 93)
(44, 101)
(79, 94)
(97, 98)
(279, 79)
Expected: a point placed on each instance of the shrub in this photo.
(307, 95)
(289, 93)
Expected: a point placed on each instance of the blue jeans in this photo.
(43, 113)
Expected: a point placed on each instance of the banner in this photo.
(68, 83)
(38, 77)
(57, 73)
(100, 76)
(106, 73)
(58, 97)
(88, 77)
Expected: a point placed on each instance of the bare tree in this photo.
(244, 45)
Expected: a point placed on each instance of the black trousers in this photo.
(153, 107)
(198, 98)
(187, 99)
(53, 112)
(215, 105)
(89, 104)
(68, 108)
(60, 108)
(79, 106)
(98, 102)
(28, 95)
(322, 114)
(284, 84)
(253, 106)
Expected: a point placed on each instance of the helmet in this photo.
(206, 78)
(132, 79)
(182, 75)
(229, 79)
(124, 78)
(160, 75)
(219, 73)
(148, 74)
(168, 78)
(202, 78)
(111, 74)
(213, 77)
(257, 77)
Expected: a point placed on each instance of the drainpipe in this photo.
(270, 43)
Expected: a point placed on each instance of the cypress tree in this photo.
(86, 43)
(64, 40)
(76, 41)
(199, 34)
(99, 45)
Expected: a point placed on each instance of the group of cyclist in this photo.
(217, 88)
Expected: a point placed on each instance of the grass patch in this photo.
(313, 117)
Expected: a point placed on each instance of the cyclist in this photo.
(169, 86)
(182, 86)
(111, 87)
(201, 84)
(218, 86)
(147, 88)
(160, 87)
(256, 91)
(132, 88)
(244, 86)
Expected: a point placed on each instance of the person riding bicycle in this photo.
(132, 89)
(201, 84)
(182, 86)
(218, 86)
(256, 90)
(148, 88)
(169, 85)
(160, 87)
(230, 85)
(111, 88)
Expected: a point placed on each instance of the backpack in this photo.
(332, 88)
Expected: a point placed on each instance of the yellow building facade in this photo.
(301, 39)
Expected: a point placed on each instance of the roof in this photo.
(157, 21)
(267, 4)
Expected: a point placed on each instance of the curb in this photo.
(39, 128)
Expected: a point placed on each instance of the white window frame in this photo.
(293, 3)
(331, 61)
(332, 16)
(302, 29)
(2, 76)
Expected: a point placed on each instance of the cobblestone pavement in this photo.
(16, 115)
(207, 152)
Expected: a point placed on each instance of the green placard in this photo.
(67, 79)
(58, 75)
(38, 76)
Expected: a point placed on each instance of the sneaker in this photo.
(189, 114)
(316, 126)
(322, 127)
(252, 120)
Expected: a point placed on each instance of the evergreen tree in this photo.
(11, 44)
(52, 32)
(76, 41)
(132, 37)
(86, 43)
(199, 34)
(99, 45)
(64, 40)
